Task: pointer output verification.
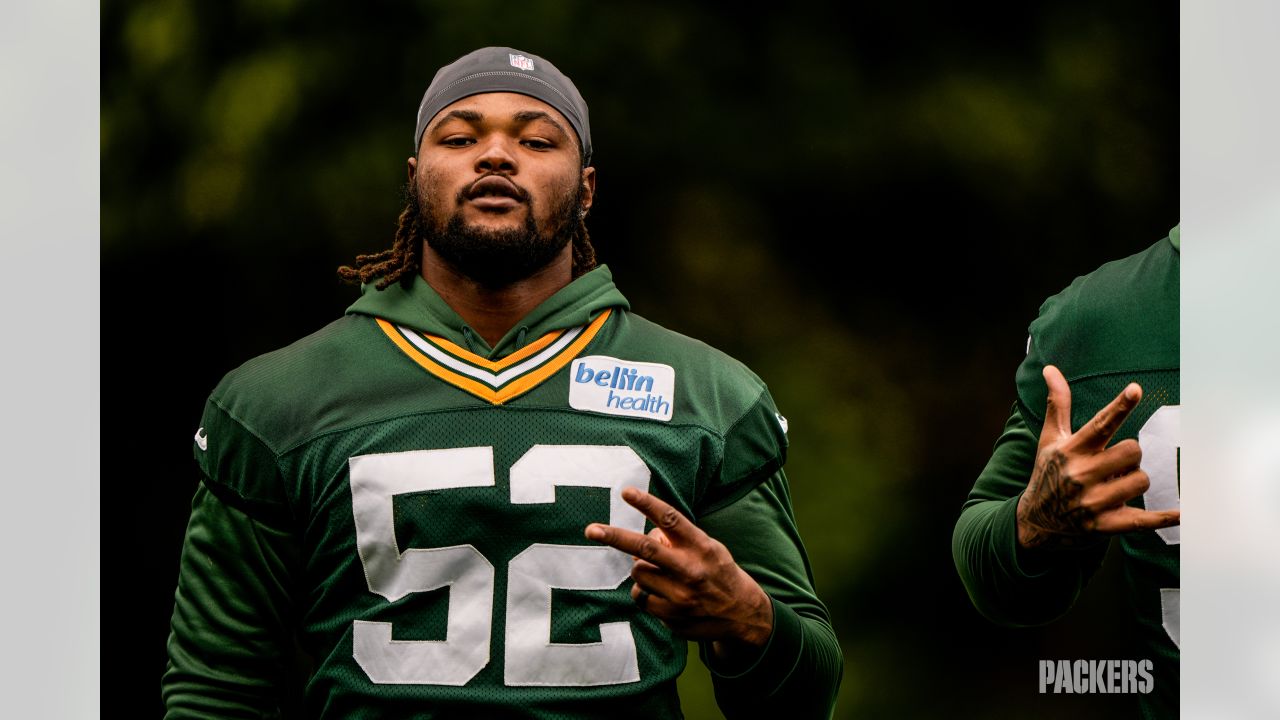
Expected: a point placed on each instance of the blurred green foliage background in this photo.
(864, 204)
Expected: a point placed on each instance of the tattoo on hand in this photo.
(1052, 512)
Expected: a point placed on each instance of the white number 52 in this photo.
(530, 656)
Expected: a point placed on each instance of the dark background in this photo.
(866, 206)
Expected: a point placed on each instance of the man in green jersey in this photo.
(1101, 366)
(436, 506)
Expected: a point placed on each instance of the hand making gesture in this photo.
(689, 581)
(1079, 486)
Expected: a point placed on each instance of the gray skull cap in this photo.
(503, 69)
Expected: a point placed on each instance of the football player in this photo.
(490, 489)
(1089, 453)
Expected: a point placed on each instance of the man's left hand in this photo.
(689, 581)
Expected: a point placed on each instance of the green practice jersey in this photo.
(1114, 326)
(407, 504)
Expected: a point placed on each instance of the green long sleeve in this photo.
(1007, 584)
(231, 632)
(798, 672)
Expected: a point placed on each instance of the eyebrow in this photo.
(527, 116)
(524, 116)
(470, 116)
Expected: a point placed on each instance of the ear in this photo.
(588, 187)
(412, 164)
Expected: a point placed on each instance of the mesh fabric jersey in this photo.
(431, 495)
(1114, 326)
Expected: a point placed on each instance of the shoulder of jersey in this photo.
(1124, 313)
(1120, 318)
(692, 354)
(713, 387)
(292, 392)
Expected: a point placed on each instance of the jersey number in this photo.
(531, 658)
(1161, 441)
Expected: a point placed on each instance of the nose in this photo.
(496, 156)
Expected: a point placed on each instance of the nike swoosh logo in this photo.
(202, 439)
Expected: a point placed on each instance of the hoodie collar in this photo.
(420, 307)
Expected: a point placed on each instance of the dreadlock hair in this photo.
(584, 255)
(403, 260)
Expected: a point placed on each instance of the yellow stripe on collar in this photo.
(514, 388)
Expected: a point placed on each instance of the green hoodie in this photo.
(394, 474)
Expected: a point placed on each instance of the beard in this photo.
(497, 258)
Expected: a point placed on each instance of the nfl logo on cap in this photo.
(520, 61)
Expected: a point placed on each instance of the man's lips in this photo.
(495, 202)
(495, 192)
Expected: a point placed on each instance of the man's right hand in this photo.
(1079, 486)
